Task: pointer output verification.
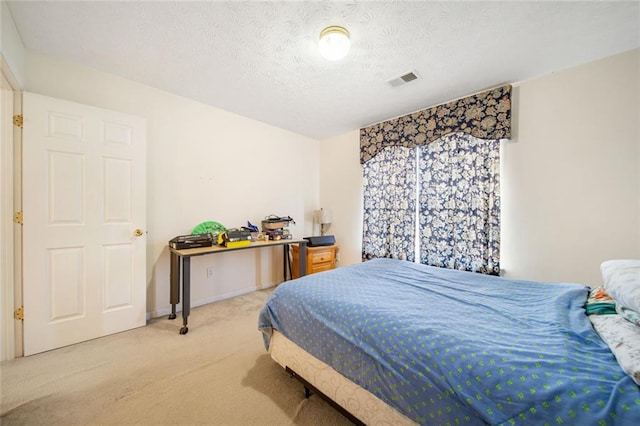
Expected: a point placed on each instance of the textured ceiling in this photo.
(260, 59)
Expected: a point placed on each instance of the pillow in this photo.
(623, 338)
(621, 278)
(628, 314)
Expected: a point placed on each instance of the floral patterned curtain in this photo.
(486, 115)
(389, 205)
(459, 210)
(460, 203)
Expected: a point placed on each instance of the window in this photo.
(438, 204)
(459, 203)
(432, 184)
(390, 205)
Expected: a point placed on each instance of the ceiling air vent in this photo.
(403, 79)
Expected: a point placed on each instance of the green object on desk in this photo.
(209, 228)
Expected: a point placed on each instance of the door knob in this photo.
(138, 232)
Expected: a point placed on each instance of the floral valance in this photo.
(486, 115)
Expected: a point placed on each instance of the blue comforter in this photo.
(452, 347)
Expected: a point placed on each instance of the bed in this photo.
(394, 342)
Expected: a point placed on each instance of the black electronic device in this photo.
(191, 241)
(324, 240)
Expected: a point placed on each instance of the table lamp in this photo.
(323, 217)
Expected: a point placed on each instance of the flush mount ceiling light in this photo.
(334, 43)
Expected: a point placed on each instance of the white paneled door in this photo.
(84, 238)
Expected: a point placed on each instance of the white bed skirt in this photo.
(356, 400)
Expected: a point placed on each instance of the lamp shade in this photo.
(323, 216)
(334, 43)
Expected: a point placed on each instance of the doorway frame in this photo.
(10, 232)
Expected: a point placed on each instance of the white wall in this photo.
(570, 176)
(203, 164)
(341, 191)
(572, 172)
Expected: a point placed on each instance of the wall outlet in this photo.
(210, 272)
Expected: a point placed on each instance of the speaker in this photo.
(324, 240)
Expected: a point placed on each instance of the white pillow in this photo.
(621, 278)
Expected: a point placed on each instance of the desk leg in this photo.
(302, 259)
(186, 293)
(174, 284)
(284, 262)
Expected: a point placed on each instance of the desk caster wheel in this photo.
(184, 330)
(172, 316)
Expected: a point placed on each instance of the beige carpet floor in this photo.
(217, 374)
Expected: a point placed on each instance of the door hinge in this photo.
(18, 120)
(19, 313)
(17, 218)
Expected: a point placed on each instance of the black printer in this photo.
(323, 240)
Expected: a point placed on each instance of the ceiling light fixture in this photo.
(334, 43)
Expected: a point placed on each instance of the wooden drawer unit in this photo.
(319, 259)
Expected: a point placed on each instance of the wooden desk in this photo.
(181, 261)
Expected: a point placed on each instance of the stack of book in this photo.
(276, 227)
